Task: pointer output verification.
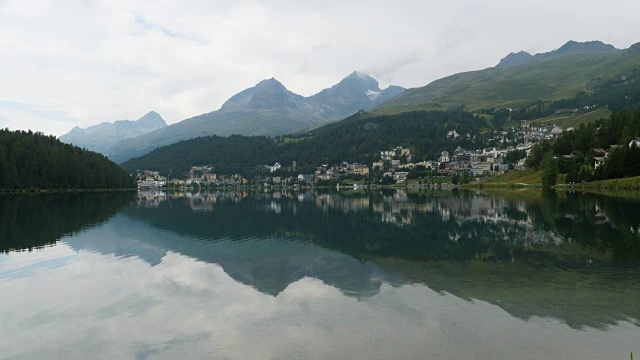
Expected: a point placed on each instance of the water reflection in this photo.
(435, 274)
(34, 221)
(523, 226)
(525, 253)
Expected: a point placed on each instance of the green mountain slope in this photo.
(521, 79)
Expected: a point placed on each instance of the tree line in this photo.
(31, 160)
(574, 151)
(359, 138)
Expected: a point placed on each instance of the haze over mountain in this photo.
(100, 138)
(521, 78)
(268, 108)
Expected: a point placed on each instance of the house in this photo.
(308, 178)
(209, 177)
(400, 176)
(452, 134)
(276, 180)
(444, 157)
(275, 167)
(598, 161)
(556, 131)
(360, 169)
(477, 171)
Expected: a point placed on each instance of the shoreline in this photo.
(65, 191)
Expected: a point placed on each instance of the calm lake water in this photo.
(383, 275)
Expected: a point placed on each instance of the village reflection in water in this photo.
(514, 268)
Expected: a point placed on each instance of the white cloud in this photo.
(103, 60)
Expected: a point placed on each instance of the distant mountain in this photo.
(356, 91)
(521, 78)
(100, 138)
(570, 48)
(268, 108)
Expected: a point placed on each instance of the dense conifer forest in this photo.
(31, 160)
(355, 139)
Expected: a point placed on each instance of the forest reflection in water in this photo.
(568, 258)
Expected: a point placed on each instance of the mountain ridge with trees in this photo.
(31, 161)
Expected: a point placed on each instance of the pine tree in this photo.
(550, 170)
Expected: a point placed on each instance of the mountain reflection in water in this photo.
(573, 257)
(568, 257)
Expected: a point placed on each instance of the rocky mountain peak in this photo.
(152, 118)
(514, 59)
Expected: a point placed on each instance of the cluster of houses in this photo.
(323, 172)
(396, 163)
(204, 175)
(150, 179)
(537, 132)
(475, 162)
(526, 133)
(479, 162)
(198, 175)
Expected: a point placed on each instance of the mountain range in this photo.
(520, 79)
(571, 47)
(268, 108)
(101, 138)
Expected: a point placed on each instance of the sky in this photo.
(69, 63)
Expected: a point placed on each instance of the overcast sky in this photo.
(82, 62)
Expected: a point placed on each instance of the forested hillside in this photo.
(356, 139)
(576, 150)
(35, 161)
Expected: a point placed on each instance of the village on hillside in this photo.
(393, 167)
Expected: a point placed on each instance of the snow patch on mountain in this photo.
(372, 95)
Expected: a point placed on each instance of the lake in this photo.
(313, 275)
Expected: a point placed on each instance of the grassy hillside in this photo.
(624, 183)
(576, 119)
(552, 79)
(521, 178)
